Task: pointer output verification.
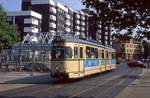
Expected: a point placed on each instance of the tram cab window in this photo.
(81, 52)
(68, 53)
(57, 53)
(75, 52)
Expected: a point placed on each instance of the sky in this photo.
(15, 5)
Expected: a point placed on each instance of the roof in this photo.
(88, 42)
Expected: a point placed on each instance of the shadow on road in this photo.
(33, 79)
(58, 88)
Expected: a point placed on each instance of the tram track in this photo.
(117, 79)
(105, 85)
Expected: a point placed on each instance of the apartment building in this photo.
(76, 22)
(56, 17)
(128, 49)
(63, 19)
(98, 30)
(47, 9)
(59, 18)
(69, 17)
(27, 21)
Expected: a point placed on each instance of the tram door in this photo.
(78, 55)
(103, 61)
(81, 60)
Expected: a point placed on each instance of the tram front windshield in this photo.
(58, 53)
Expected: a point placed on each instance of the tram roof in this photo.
(88, 42)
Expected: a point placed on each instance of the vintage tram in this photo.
(76, 58)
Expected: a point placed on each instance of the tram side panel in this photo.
(74, 66)
(91, 66)
(91, 61)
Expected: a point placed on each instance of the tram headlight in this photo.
(57, 68)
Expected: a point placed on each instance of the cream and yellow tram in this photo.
(76, 58)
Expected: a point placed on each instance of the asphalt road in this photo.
(105, 85)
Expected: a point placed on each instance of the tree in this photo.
(123, 14)
(8, 34)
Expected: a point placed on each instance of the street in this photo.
(111, 84)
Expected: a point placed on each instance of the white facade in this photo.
(25, 13)
(53, 17)
(31, 21)
(53, 10)
(53, 25)
(62, 7)
(31, 29)
(33, 2)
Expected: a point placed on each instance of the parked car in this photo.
(136, 64)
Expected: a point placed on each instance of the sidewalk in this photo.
(140, 88)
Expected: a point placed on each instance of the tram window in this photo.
(91, 52)
(96, 53)
(75, 52)
(103, 54)
(107, 55)
(68, 52)
(57, 53)
(81, 52)
(88, 55)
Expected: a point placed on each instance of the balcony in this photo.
(83, 23)
(53, 10)
(31, 21)
(77, 27)
(31, 29)
(52, 17)
(106, 37)
(52, 31)
(77, 22)
(82, 17)
(67, 16)
(99, 26)
(68, 29)
(67, 23)
(52, 25)
(77, 16)
(82, 29)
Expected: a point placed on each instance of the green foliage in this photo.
(8, 34)
(123, 14)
